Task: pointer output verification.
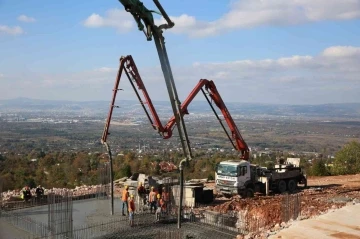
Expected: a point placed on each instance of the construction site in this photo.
(244, 200)
(65, 214)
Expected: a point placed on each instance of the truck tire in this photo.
(292, 185)
(227, 195)
(249, 193)
(281, 186)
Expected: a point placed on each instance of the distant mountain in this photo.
(346, 110)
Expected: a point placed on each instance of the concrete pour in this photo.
(342, 223)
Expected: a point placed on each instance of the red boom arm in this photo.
(132, 73)
(215, 96)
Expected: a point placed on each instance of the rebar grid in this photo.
(197, 223)
(60, 209)
(290, 207)
(103, 180)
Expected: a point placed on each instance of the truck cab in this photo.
(232, 176)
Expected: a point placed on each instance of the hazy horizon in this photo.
(200, 101)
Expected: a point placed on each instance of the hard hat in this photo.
(140, 183)
(126, 187)
(158, 196)
(132, 195)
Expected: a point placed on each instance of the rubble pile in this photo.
(84, 190)
(324, 194)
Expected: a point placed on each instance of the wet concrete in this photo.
(342, 223)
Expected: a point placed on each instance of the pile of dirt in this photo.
(322, 195)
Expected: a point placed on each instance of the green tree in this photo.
(347, 159)
(157, 168)
(125, 171)
(319, 168)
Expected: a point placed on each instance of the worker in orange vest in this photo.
(131, 210)
(152, 199)
(124, 199)
(161, 207)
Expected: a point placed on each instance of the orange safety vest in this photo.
(152, 196)
(162, 204)
(125, 195)
(131, 206)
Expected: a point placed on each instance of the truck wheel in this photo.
(292, 185)
(282, 186)
(249, 193)
(227, 195)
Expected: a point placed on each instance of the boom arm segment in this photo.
(215, 96)
(127, 63)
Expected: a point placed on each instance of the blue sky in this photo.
(272, 51)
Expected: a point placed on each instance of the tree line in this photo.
(71, 169)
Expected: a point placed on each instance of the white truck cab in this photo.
(231, 176)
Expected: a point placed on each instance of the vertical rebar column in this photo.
(51, 218)
(111, 179)
(68, 217)
(1, 196)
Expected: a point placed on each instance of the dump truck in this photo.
(240, 177)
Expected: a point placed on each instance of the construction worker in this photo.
(152, 199)
(166, 198)
(161, 207)
(26, 194)
(124, 199)
(131, 210)
(158, 209)
(142, 195)
(39, 192)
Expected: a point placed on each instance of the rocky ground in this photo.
(322, 195)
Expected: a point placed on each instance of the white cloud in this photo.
(242, 14)
(6, 30)
(341, 51)
(330, 76)
(24, 18)
(105, 69)
(253, 13)
(115, 18)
